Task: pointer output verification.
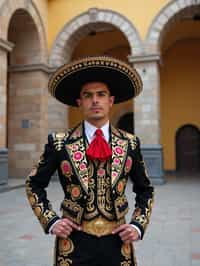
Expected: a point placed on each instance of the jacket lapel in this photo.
(119, 154)
(77, 153)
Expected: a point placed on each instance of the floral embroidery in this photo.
(66, 168)
(65, 246)
(121, 186)
(78, 156)
(116, 161)
(128, 164)
(75, 192)
(118, 150)
(79, 161)
(83, 166)
(119, 147)
(126, 250)
(101, 172)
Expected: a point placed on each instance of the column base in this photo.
(153, 157)
(3, 167)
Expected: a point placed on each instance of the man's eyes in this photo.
(101, 94)
(88, 95)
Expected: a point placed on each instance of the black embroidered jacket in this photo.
(65, 152)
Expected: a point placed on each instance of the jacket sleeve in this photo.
(142, 187)
(37, 181)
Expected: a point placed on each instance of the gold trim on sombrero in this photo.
(100, 61)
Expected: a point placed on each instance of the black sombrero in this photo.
(123, 81)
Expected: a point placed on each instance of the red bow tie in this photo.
(99, 148)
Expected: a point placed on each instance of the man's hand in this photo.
(127, 233)
(64, 227)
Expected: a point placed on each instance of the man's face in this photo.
(95, 102)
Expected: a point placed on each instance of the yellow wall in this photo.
(42, 6)
(180, 93)
(140, 13)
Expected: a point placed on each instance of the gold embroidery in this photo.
(119, 154)
(126, 250)
(126, 263)
(143, 218)
(121, 206)
(59, 139)
(132, 138)
(64, 262)
(33, 171)
(65, 246)
(91, 196)
(44, 215)
(73, 210)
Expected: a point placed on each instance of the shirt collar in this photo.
(90, 130)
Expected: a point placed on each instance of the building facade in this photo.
(162, 41)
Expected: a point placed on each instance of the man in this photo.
(94, 161)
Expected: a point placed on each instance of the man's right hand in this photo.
(64, 227)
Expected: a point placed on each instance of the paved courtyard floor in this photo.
(172, 238)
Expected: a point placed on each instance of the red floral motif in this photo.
(78, 156)
(101, 172)
(66, 243)
(120, 142)
(75, 192)
(120, 187)
(82, 166)
(114, 174)
(128, 163)
(66, 168)
(119, 150)
(116, 161)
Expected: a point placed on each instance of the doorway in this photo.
(188, 149)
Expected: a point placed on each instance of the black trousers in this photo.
(82, 249)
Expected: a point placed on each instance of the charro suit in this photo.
(91, 188)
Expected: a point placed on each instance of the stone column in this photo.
(5, 48)
(147, 114)
(28, 117)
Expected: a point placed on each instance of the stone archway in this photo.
(8, 8)
(81, 25)
(70, 36)
(157, 41)
(23, 82)
(165, 20)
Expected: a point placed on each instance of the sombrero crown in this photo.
(123, 81)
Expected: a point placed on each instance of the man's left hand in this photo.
(127, 233)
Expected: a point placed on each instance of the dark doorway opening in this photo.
(188, 149)
(126, 122)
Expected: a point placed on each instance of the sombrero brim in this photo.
(123, 81)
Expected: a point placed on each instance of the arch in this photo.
(164, 20)
(87, 22)
(188, 148)
(7, 10)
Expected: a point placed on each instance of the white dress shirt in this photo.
(90, 131)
